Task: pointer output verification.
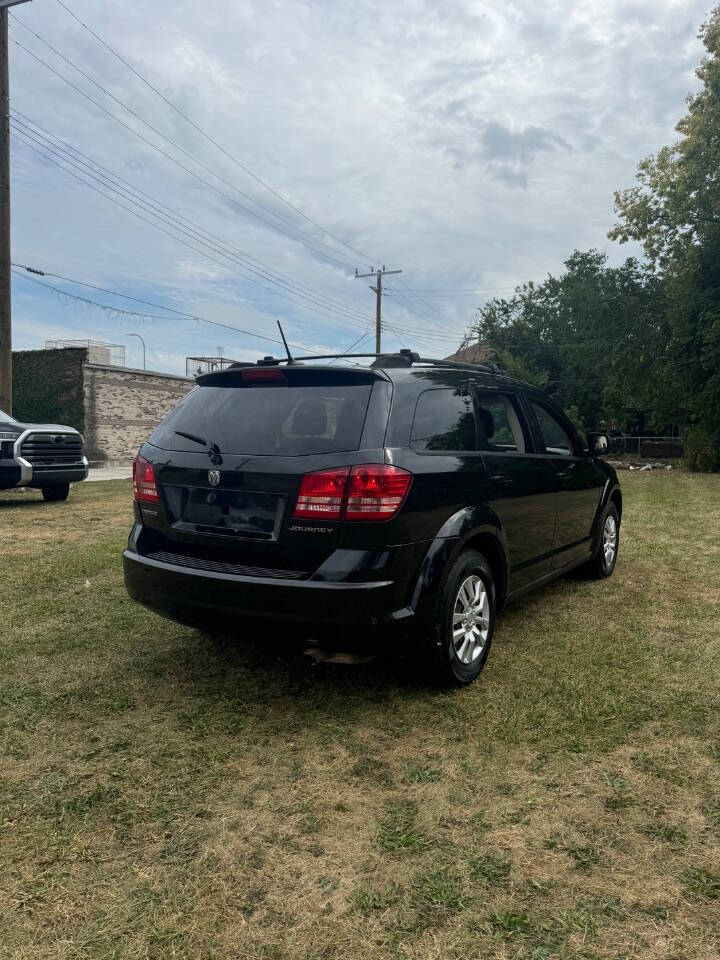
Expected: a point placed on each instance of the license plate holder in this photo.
(247, 513)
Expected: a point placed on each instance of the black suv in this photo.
(412, 496)
(43, 455)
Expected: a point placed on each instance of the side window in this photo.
(499, 428)
(558, 441)
(444, 421)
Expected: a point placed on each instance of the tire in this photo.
(457, 661)
(58, 491)
(603, 563)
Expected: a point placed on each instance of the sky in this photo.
(246, 158)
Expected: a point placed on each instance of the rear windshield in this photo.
(283, 421)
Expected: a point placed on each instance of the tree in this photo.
(593, 337)
(676, 204)
(674, 210)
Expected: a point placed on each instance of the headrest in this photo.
(310, 419)
(488, 424)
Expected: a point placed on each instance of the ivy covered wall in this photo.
(48, 386)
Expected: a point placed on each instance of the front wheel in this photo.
(603, 563)
(465, 620)
(58, 491)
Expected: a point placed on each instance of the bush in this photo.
(702, 451)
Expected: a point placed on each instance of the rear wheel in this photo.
(58, 491)
(465, 620)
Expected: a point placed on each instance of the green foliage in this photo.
(590, 337)
(674, 211)
(618, 342)
(372, 901)
(704, 883)
(397, 831)
(702, 451)
(676, 202)
(573, 415)
(48, 387)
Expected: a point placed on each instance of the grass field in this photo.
(164, 794)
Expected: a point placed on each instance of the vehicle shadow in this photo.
(252, 670)
(11, 503)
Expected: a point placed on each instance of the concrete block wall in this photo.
(123, 407)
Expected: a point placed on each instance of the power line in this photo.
(465, 291)
(109, 308)
(55, 143)
(410, 300)
(176, 145)
(92, 286)
(420, 309)
(298, 298)
(319, 309)
(210, 139)
(221, 193)
(106, 307)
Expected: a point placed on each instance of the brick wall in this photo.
(123, 407)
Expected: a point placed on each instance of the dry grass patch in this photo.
(165, 794)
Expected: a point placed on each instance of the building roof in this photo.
(473, 353)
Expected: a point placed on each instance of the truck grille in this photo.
(52, 450)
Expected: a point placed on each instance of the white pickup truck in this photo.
(46, 456)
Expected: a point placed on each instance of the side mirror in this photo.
(598, 443)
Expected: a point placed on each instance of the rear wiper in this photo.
(191, 436)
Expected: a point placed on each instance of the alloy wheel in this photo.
(609, 540)
(471, 619)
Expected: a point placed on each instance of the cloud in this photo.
(518, 146)
(410, 140)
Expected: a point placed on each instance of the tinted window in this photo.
(556, 438)
(444, 421)
(280, 421)
(499, 428)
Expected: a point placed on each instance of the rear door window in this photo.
(499, 427)
(284, 421)
(444, 422)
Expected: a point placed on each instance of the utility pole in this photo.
(6, 395)
(377, 290)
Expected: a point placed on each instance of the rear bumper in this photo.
(200, 597)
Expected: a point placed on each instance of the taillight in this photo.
(376, 492)
(144, 484)
(367, 492)
(263, 375)
(321, 494)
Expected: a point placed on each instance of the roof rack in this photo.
(403, 358)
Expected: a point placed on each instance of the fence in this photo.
(194, 366)
(649, 447)
(105, 354)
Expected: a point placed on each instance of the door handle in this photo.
(502, 478)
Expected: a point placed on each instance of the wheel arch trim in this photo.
(462, 529)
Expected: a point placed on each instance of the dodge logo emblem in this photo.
(213, 477)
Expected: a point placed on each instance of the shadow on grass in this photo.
(250, 671)
(14, 503)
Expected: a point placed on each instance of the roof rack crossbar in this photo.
(407, 357)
